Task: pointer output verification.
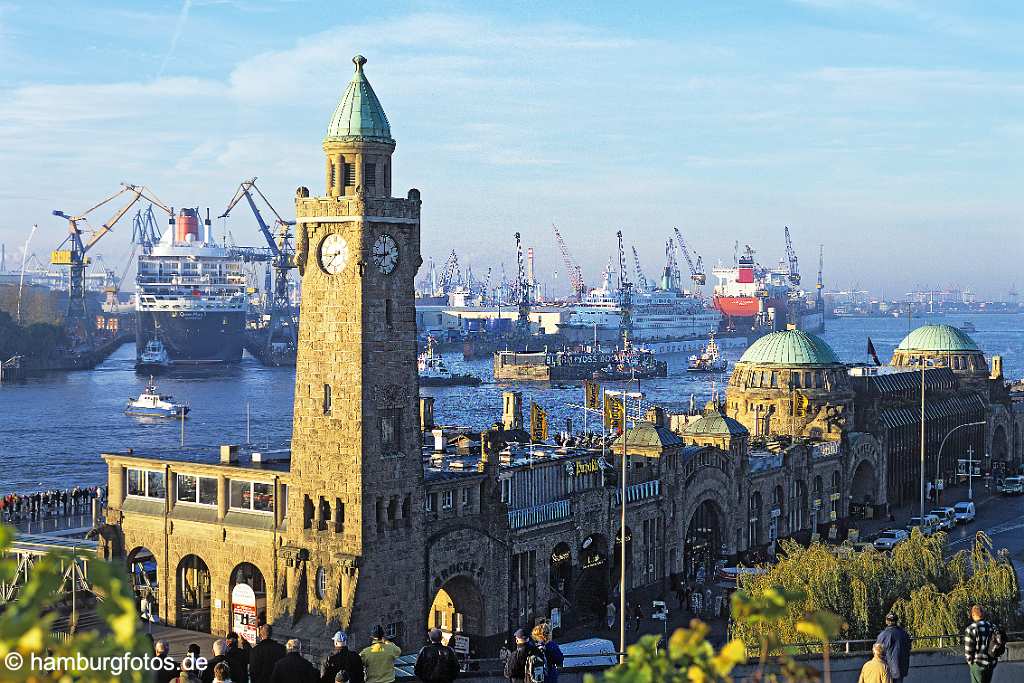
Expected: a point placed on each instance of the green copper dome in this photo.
(790, 348)
(714, 423)
(359, 114)
(938, 338)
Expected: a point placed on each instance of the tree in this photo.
(26, 624)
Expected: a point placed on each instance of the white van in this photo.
(964, 512)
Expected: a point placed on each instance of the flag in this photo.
(591, 394)
(613, 414)
(872, 353)
(538, 423)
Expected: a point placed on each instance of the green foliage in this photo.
(26, 623)
(930, 594)
(36, 340)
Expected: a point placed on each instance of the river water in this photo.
(53, 428)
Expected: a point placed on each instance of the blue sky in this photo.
(890, 131)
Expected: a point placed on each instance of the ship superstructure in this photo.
(190, 296)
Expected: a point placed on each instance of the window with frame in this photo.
(370, 174)
(195, 490)
(390, 422)
(321, 582)
(251, 496)
(466, 497)
(146, 484)
(446, 499)
(327, 399)
(349, 174)
(430, 502)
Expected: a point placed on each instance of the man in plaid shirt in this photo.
(976, 638)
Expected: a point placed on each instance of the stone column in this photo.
(222, 497)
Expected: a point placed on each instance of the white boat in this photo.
(151, 403)
(435, 373)
(154, 357)
(709, 360)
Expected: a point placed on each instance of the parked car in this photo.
(1012, 486)
(964, 512)
(928, 527)
(947, 517)
(888, 539)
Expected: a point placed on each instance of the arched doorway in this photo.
(248, 591)
(193, 595)
(703, 543)
(756, 510)
(862, 486)
(458, 607)
(142, 568)
(1000, 445)
(592, 582)
(560, 570)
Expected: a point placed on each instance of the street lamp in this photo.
(922, 362)
(938, 455)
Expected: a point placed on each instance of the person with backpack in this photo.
(553, 657)
(897, 648)
(526, 663)
(436, 663)
(984, 644)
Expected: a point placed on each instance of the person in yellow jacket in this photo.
(379, 658)
(875, 670)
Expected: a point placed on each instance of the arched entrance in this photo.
(248, 592)
(862, 486)
(1000, 445)
(458, 607)
(592, 582)
(560, 570)
(193, 595)
(703, 543)
(142, 568)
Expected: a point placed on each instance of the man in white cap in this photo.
(342, 659)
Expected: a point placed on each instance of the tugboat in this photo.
(154, 358)
(709, 360)
(632, 362)
(151, 403)
(434, 373)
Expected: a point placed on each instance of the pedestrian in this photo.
(342, 659)
(162, 651)
(517, 663)
(436, 662)
(264, 656)
(896, 643)
(610, 613)
(875, 670)
(379, 657)
(638, 616)
(293, 667)
(984, 643)
(237, 658)
(222, 673)
(553, 657)
(219, 649)
(188, 672)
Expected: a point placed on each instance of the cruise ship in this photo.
(190, 296)
(665, 319)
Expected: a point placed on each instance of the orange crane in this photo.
(572, 269)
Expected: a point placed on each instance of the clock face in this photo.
(333, 253)
(385, 254)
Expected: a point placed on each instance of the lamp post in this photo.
(938, 456)
(922, 362)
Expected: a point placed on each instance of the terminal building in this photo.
(372, 517)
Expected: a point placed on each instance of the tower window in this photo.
(370, 175)
(390, 422)
(327, 399)
(349, 171)
(334, 174)
(339, 516)
(321, 582)
(387, 312)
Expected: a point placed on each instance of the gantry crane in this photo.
(625, 296)
(73, 252)
(282, 252)
(448, 275)
(572, 269)
(641, 279)
(696, 268)
(794, 266)
(522, 291)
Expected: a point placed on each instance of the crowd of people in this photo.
(16, 507)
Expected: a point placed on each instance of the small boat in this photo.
(154, 357)
(709, 360)
(968, 326)
(152, 403)
(434, 373)
(632, 362)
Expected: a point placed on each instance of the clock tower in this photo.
(352, 555)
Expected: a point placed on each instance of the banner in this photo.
(538, 423)
(592, 394)
(613, 414)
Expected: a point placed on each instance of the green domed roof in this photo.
(715, 423)
(790, 348)
(647, 434)
(359, 113)
(938, 338)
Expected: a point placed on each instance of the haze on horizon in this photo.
(887, 130)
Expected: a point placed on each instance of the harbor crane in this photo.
(572, 269)
(448, 274)
(696, 268)
(282, 252)
(672, 263)
(641, 279)
(522, 290)
(73, 252)
(625, 296)
(794, 267)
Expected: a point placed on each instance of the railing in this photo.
(641, 491)
(946, 641)
(539, 514)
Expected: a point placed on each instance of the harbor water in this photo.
(53, 428)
